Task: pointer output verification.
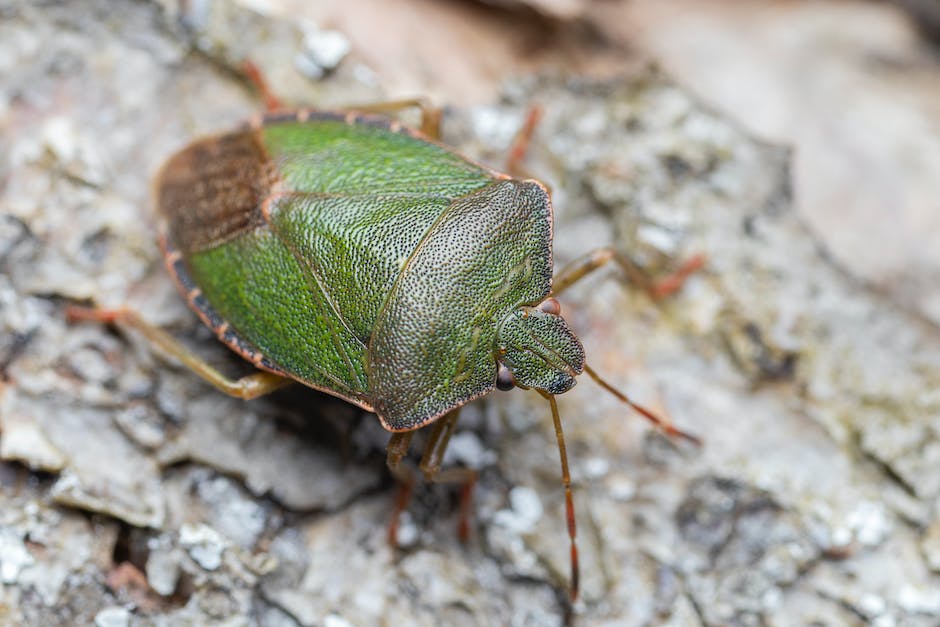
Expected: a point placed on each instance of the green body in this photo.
(369, 262)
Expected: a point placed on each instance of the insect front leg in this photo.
(658, 289)
(395, 450)
(430, 466)
(248, 387)
(436, 446)
(578, 269)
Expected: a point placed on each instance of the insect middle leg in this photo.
(520, 145)
(255, 76)
(430, 115)
(248, 387)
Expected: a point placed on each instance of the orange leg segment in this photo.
(248, 387)
(657, 289)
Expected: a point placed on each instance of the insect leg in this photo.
(248, 387)
(570, 274)
(395, 451)
(580, 268)
(657, 289)
(431, 462)
(520, 144)
(430, 115)
(436, 446)
(397, 448)
(256, 77)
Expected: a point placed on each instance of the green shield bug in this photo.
(367, 260)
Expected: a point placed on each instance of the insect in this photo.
(367, 260)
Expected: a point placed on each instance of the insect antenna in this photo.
(569, 500)
(667, 427)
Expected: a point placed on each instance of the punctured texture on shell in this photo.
(356, 257)
(434, 345)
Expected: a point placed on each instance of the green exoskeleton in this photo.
(365, 259)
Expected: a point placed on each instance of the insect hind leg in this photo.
(248, 387)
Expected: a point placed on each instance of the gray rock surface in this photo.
(135, 494)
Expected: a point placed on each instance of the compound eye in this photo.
(550, 306)
(504, 379)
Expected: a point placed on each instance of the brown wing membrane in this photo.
(212, 191)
